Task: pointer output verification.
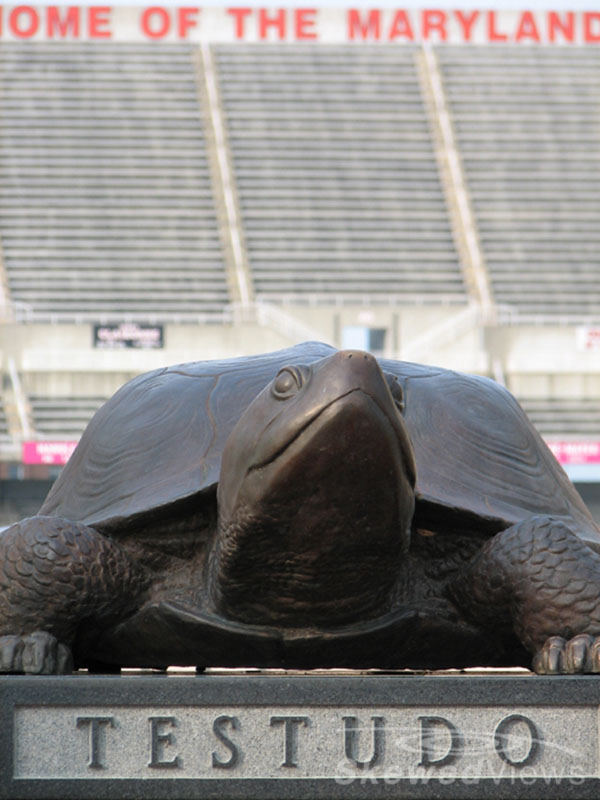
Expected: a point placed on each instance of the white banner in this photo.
(319, 25)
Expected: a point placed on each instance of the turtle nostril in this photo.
(358, 355)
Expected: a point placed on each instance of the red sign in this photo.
(575, 452)
(47, 452)
(284, 24)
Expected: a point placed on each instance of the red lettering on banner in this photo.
(589, 18)
(566, 27)
(493, 34)
(239, 14)
(98, 20)
(67, 26)
(265, 22)
(434, 22)
(371, 28)
(527, 28)
(30, 28)
(466, 22)
(401, 27)
(75, 22)
(186, 19)
(155, 22)
(304, 23)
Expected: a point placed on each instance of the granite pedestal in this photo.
(299, 736)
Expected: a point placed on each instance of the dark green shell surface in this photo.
(159, 440)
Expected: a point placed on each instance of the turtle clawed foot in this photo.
(559, 656)
(36, 653)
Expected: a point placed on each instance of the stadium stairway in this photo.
(58, 418)
(569, 418)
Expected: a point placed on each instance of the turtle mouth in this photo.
(394, 419)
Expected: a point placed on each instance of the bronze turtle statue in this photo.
(305, 508)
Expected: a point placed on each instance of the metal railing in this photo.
(20, 401)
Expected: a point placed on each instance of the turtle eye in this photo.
(287, 382)
(395, 390)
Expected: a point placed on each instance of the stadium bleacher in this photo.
(62, 417)
(66, 417)
(337, 182)
(564, 417)
(57, 417)
(109, 211)
(106, 204)
(526, 120)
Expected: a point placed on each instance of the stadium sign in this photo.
(320, 25)
(588, 337)
(575, 452)
(49, 453)
(128, 334)
(565, 452)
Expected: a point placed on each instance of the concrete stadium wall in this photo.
(535, 361)
(61, 359)
(545, 361)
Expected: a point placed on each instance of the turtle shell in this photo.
(479, 459)
(159, 439)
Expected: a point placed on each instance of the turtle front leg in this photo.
(58, 578)
(542, 581)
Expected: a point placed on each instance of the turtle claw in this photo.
(11, 649)
(559, 656)
(37, 653)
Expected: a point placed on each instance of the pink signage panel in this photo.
(566, 452)
(47, 452)
(575, 452)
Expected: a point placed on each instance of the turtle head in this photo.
(315, 497)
